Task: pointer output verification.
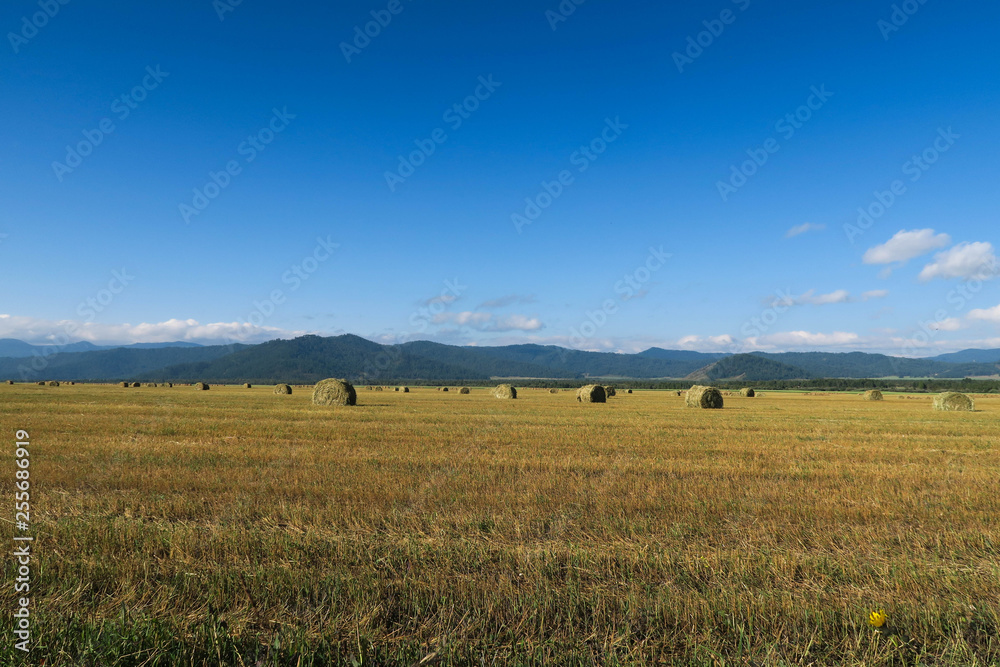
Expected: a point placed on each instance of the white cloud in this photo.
(486, 322)
(811, 298)
(39, 330)
(874, 294)
(809, 339)
(949, 324)
(986, 314)
(972, 261)
(508, 300)
(906, 245)
(803, 228)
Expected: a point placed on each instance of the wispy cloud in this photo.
(480, 321)
(40, 330)
(905, 245)
(971, 261)
(509, 300)
(803, 228)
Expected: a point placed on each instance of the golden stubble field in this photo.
(235, 526)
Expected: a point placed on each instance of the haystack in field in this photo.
(406, 390)
(609, 391)
(553, 391)
(201, 386)
(628, 391)
(151, 384)
(747, 392)
(10, 382)
(283, 389)
(378, 388)
(592, 393)
(170, 384)
(52, 383)
(396, 389)
(952, 401)
(247, 385)
(464, 390)
(124, 384)
(135, 384)
(505, 391)
(872, 395)
(334, 392)
(703, 397)
(679, 392)
(444, 388)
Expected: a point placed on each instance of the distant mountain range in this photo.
(311, 358)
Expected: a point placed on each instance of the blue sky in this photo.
(513, 172)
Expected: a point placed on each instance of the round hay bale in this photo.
(135, 384)
(282, 389)
(464, 390)
(71, 383)
(505, 391)
(125, 384)
(247, 385)
(953, 401)
(708, 398)
(553, 391)
(406, 390)
(371, 388)
(201, 386)
(334, 392)
(592, 393)
(609, 391)
(679, 392)
(872, 395)
(396, 389)
(378, 388)
(170, 384)
(444, 388)
(747, 392)
(10, 382)
(151, 384)
(52, 383)
(628, 391)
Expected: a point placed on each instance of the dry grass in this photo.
(226, 527)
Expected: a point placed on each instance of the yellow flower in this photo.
(876, 619)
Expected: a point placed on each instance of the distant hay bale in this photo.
(41, 383)
(406, 390)
(283, 389)
(151, 384)
(872, 395)
(10, 382)
(747, 392)
(464, 390)
(553, 391)
(679, 392)
(396, 389)
(708, 398)
(628, 391)
(201, 386)
(609, 391)
(125, 384)
(378, 388)
(136, 384)
(334, 392)
(247, 385)
(444, 388)
(592, 393)
(52, 383)
(371, 388)
(952, 401)
(170, 384)
(505, 391)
